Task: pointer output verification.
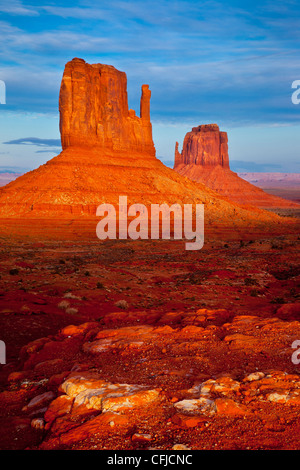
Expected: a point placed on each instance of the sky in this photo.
(226, 62)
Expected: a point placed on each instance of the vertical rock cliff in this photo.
(93, 108)
(205, 145)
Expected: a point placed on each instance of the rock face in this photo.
(204, 159)
(94, 110)
(206, 146)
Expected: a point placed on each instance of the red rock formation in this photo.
(206, 146)
(94, 110)
(204, 159)
(108, 151)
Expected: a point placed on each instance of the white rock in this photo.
(180, 447)
(254, 376)
(278, 397)
(196, 406)
(89, 390)
(38, 423)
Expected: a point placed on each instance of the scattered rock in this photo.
(196, 406)
(228, 407)
(71, 310)
(38, 423)
(180, 447)
(58, 407)
(39, 401)
(89, 390)
(289, 311)
(64, 304)
(254, 376)
(141, 438)
(135, 400)
(122, 304)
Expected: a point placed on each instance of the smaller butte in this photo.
(204, 158)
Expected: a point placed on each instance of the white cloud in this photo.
(77, 12)
(15, 7)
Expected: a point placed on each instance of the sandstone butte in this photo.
(204, 158)
(108, 151)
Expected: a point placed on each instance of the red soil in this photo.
(209, 317)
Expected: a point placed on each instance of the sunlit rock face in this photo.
(204, 159)
(205, 145)
(93, 108)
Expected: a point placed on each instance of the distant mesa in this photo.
(205, 146)
(204, 159)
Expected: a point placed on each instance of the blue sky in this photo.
(226, 62)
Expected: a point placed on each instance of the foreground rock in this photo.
(145, 385)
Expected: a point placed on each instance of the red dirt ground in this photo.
(206, 318)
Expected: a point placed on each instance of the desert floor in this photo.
(144, 345)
